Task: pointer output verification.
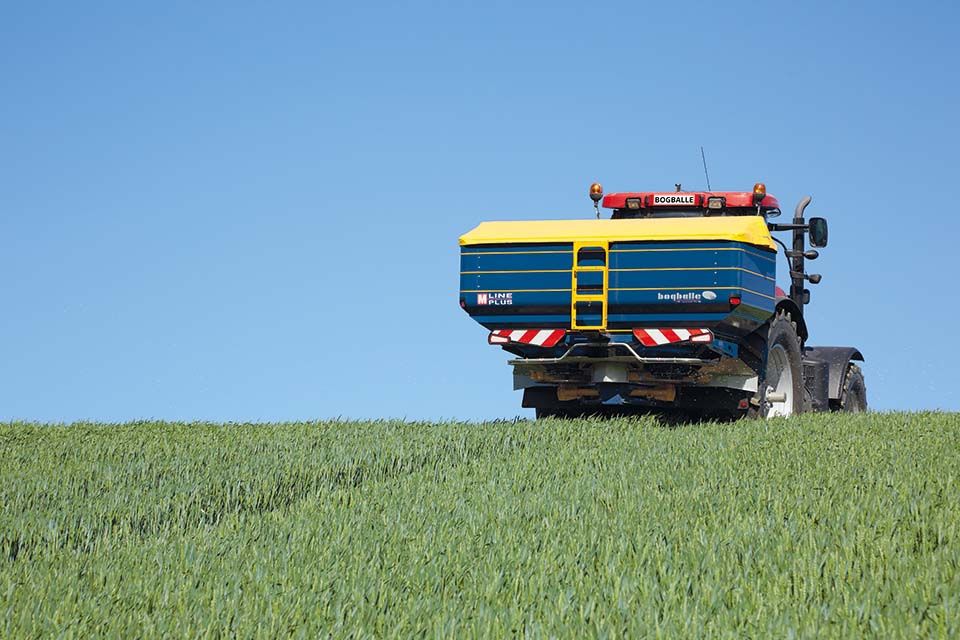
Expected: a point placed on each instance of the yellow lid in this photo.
(748, 229)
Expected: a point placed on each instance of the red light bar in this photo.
(734, 199)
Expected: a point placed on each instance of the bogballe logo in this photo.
(690, 296)
(496, 299)
(680, 297)
(674, 198)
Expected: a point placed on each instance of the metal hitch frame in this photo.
(632, 356)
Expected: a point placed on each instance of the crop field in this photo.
(821, 525)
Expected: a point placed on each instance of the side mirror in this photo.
(818, 232)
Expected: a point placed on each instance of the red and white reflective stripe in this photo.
(657, 337)
(536, 337)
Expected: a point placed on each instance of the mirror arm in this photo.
(775, 226)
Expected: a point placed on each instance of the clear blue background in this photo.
(212, 211)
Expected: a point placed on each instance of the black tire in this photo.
(853, 395)
(783, 356)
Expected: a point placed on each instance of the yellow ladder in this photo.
(590, 280)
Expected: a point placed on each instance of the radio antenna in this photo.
(705, 174)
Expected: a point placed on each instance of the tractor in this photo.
(670, 305)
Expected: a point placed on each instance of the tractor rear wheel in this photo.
(853, 396)
(783, 377)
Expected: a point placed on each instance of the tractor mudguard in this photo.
(796, 313)
(837, 358)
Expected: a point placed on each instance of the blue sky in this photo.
(212, 211)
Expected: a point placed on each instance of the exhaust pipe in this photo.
(799, 246)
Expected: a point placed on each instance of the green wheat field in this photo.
(820, 525)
